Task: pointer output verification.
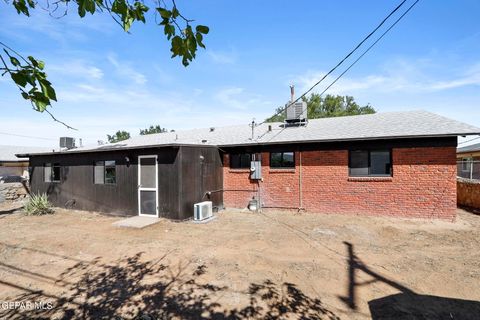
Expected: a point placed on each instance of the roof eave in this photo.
(348, 139)
(170, 145)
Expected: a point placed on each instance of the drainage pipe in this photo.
(300, 182)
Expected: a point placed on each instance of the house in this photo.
(468, 159)
(10, 165)
(395, 164)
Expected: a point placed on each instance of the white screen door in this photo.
(147, 186)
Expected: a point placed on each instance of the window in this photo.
(240, 160)
(370, 163)
(104, 172)
(51, 173)
(282, 160)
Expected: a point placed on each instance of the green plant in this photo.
(38, 205)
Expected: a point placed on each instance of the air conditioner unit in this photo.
(67, 142)
(202, 210)
(297, 112)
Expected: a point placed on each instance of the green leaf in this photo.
(164, 13)
(175, 12)
(202, 29)
(40, 105)
(14, 61)
(21, 7)
(85, 6)
(127, 23)
(48, 90)
(41, 64)
(169, 31)
(40, 101)
(199, 38)
(177, 46)
(33, 61)
(19, 78)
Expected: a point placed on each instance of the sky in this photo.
(107, 80)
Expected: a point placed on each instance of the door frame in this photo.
(139, 187)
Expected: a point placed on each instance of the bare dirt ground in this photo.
(240, 266)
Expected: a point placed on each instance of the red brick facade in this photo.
(423, 185)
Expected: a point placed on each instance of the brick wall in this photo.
(423, 185)
(468, 193)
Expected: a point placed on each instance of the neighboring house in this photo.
(10, 165)
(397, 164)
(468, 159)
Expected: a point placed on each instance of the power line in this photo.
(469, 140)
(25, 136)
(358, 59)
(369, 48)
(345, 58)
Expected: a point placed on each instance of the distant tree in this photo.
(152, 129)
(118, 136)
(330, 106)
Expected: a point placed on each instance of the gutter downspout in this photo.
(300, 183)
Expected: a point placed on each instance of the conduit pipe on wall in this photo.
(300, 182)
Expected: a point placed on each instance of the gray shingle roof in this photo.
(470, 148)
(7, 153)
(365, 127)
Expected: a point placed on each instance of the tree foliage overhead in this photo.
(118, 136)
(28, 73)
(152, 130)
(326, 107)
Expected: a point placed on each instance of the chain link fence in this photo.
(468, 169)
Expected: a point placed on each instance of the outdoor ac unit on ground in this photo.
(202, 210)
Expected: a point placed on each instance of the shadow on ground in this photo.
(407, 304)
(10, 211)
(131, 288)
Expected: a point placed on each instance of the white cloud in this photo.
(222, 57)
(399, 77)
(237, 98)
(125, 70)
(76, 68)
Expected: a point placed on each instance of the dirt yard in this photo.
(240, 266)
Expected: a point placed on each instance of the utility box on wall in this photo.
(256, 170)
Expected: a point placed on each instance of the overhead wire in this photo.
(26, 136)
(345, 58)
(353, 63)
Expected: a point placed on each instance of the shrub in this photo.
(38, 205)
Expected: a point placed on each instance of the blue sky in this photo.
(108, 80)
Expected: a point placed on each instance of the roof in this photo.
(470, 148)
(7, 153)
(388, 125)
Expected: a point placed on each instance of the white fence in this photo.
(468, 169)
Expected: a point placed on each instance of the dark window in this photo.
(370, 163)
(51, 173)
(110, 172)
(240, 160)
(56, 172)
(104, 172)
(282, 160)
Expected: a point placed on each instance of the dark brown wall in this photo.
(77, 189)
(201, 172)
(183, 179)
